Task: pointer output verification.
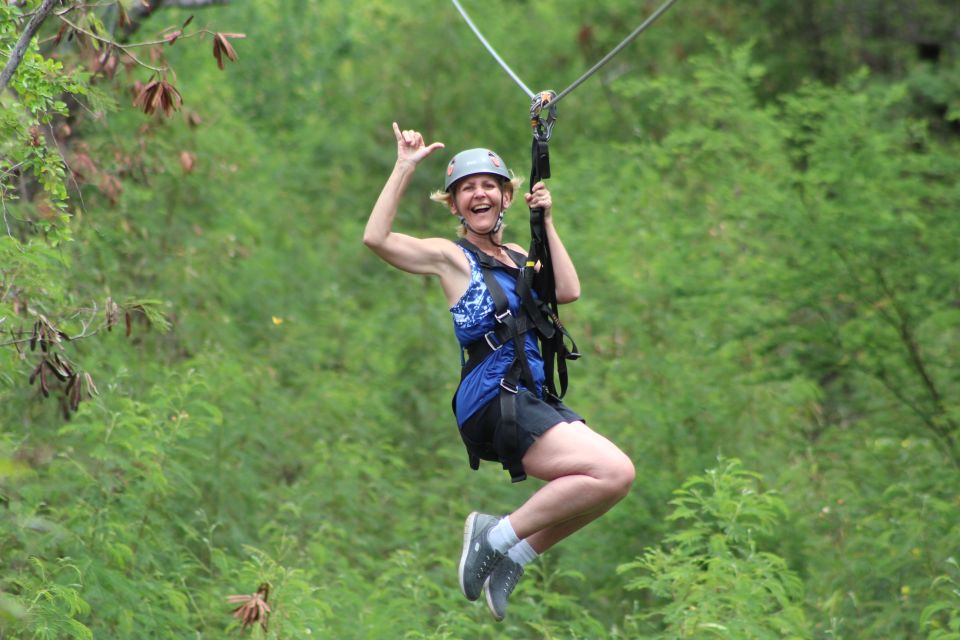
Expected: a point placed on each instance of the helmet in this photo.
(471, 162)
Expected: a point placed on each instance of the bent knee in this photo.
(619, 474)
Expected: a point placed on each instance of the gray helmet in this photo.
(471, 162)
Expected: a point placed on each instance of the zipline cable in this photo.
(630, 38)
(495, 55)
(613, 52)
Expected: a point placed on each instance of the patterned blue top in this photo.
(472, 318)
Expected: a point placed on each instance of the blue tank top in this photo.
(473, 316)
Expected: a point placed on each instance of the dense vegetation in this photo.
(762, 202)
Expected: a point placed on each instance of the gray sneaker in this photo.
(478, 558)
(500, 585)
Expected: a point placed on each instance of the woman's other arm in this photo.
(564, 273)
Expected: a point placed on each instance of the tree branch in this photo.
(144, 10)
(111, 43)
(19, 49)
(913, 350)
(190, 4)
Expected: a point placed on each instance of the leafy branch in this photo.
(936, 420)
(53, 370)
(20, 48)
(220, 43)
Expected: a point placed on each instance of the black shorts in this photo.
(534, 417)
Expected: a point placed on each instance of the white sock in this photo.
(522, 553)
(502, 536)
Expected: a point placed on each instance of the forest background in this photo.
(208, 384)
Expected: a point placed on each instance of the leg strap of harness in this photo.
(507, 436)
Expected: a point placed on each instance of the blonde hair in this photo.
(511, 187)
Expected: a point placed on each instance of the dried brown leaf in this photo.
(82, 166)
(56, 367)
(62, 30)
(123, 19)
(187, 161)
(91, 388)
(75, 392)
(36, 372)
(146, 96)
(254, 608)
(71, 383)
(222, 46)
(108, 65)
(111, 187)
(193, 118)
(218, 51)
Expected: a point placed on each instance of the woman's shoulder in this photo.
(443, 246)
(513, 246)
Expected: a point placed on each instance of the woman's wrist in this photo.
(405, 165)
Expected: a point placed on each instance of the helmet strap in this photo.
(499, 224)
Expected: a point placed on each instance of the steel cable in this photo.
(636, 32)
(490, 48)
(613, 52)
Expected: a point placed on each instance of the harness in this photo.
(535, 315)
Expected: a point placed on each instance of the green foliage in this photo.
(41, 85)
(941, 618)
(766, 239)
(710, 576)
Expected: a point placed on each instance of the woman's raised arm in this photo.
(424, 256)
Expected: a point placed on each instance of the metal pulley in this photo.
(543, 117)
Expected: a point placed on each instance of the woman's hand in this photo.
(410, 145)
(539, 198)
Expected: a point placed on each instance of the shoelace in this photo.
(513, 577)
(482, 569)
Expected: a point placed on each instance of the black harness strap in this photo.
(543, 116)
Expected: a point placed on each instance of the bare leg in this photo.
(546, 538)
(586, 474)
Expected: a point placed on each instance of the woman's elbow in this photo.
(569, 295)
(372, 240)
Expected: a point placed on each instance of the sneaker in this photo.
(478, 558)
(500, 585)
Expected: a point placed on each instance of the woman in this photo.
(585, 473)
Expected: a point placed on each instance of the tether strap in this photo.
(552, 344)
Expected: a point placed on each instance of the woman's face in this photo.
(477, 198)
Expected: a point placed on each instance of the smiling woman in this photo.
(476, 185)
(503, 409)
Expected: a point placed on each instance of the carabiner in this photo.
(543, 129)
